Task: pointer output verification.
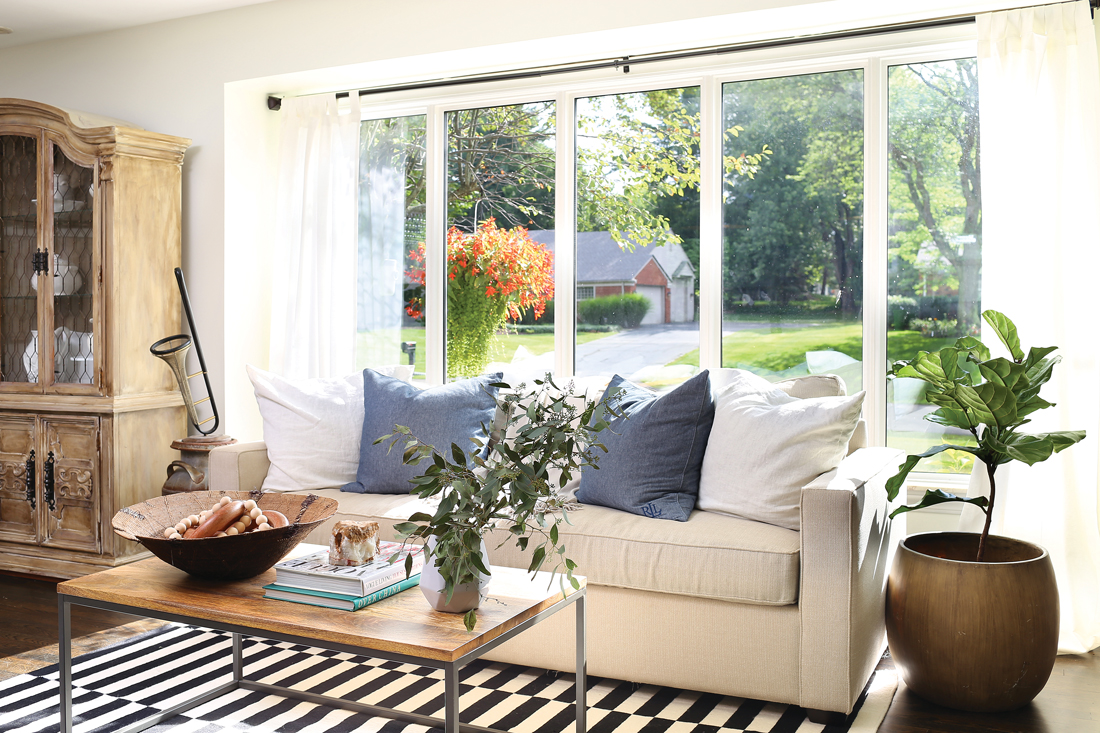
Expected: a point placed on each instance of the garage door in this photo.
(655, 294)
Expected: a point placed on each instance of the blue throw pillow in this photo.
(439, 416)
(654, 456)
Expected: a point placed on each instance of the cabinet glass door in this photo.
(19, 349)
(72, 262)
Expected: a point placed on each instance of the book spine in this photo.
(397, 573)
(387, 592)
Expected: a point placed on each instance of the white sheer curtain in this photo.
(1040, 136)
(313, 283)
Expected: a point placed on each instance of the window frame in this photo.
(873, 55)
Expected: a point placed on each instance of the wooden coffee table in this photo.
(401, 628)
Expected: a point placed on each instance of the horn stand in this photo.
(191, 471)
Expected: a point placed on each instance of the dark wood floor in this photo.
(1070, 703)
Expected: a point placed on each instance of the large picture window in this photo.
(773, 219)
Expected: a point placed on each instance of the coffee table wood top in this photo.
(401, 624)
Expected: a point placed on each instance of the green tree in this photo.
(799, 222)
(935, 172)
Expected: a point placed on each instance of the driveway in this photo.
(646, 347)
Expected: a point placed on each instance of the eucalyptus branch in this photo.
(505, 484)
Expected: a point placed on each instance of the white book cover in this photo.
(313, 571)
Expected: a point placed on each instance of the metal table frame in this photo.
(451, 670)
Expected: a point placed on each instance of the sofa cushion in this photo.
(439, 416)
(312, 427)
(653, 456)
(709, 555)
(766, 445)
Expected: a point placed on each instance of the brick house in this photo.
(663, 274)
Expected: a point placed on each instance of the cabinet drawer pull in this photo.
(47, 482)
(30, 480)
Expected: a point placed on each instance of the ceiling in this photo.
(32, 21)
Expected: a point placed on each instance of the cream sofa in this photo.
(715, 604)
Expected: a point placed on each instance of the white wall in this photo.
(207, 77)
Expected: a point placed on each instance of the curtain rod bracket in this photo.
(274, 104)
(624, 62)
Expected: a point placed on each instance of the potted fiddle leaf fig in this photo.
(551, 434)
(972, 619)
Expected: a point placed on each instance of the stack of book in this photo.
(310, 579)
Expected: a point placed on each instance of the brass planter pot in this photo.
(969, 635)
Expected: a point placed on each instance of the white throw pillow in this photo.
(312, 427)
(766, 445)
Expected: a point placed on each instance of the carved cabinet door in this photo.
(18, 499)
(70, 478)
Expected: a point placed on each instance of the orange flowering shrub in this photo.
(493, 274)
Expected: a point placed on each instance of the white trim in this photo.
(435, 247)
(875, 255)
(565, 241)
(710, 224)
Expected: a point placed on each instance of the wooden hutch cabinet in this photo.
(89, 237)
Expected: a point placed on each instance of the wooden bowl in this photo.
(221, 558)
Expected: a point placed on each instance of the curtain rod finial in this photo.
(274, 103)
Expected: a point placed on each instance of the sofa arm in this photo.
(238, 467)
(847, 545)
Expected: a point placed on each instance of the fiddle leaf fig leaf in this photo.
(1063, 439)
(1006, 332)
(936, 496)
(950, 417)
(977, 350)
(1036, 354)
(894, 484)
(1002, 371)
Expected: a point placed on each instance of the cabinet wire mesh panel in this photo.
(18, 244)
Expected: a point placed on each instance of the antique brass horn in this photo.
(173, 350)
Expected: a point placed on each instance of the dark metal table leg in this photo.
(450, 697)
(65, 670)
(582, 668)
(238, 658)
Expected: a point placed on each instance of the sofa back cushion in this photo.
(653, 455)
(311, 427)
(766, 445)
(439, 416)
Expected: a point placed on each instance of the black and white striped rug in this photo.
(119, 685)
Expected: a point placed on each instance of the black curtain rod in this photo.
(624, 63)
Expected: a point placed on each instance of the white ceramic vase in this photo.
(465, 598)
(66, 279)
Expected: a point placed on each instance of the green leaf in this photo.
(477, 561)
(408, 565)
(949, 416)
(894, 484)
(1036, 354)
(470, 619)
(1063, 439)
(931, 498)
(1002, 371)
(554, 534)
(536, 559)
(1006, 332)
(458, 455)
(976, 348)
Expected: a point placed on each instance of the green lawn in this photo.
(536, 343)
(777, 349)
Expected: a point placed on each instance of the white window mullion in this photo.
(565, 219)
(435, 275)
(710, 224)
(875, 256)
